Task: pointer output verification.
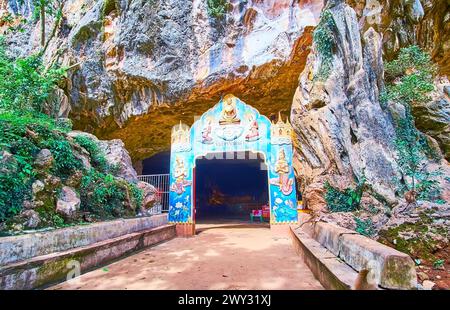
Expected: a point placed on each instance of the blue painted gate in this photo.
(232, 127)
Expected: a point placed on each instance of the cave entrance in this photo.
(230, 189)
(231, 127)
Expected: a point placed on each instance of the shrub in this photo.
(347, 200)
(217, 8)
(137, 194)
(364, 227)
(65, 162)
(410, 61)
(438, 264)
(324, 42)
(14, 188)
(26, 84)
(105, 196)
(410, 78)
(18, 174)
(98, 159)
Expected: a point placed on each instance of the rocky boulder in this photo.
(150, 195)
(118, 157)
(44, 159)
(8, 164)
(32, 219)
(68, 203)
(115, 154)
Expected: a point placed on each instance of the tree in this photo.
(409, 82)
(42, 8)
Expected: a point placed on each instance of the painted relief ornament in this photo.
(181, 141)
(207, 131)
(230, 128)
(180, 175)
(229, 112)
(282, 169)
(253, 130)
(281, 132)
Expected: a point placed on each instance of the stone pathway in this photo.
(218, 257)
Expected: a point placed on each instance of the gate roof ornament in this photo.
(281, 132)
(181, 141)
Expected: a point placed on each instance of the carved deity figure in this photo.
(206, 132)
(180, 175)
(229, 112)
(253, 132)
(282, 168)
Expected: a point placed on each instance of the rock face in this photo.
(405, 22)
(138, 59)
(135, 60)
(342, 131)
(433, 118)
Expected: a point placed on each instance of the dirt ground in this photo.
(218, 257)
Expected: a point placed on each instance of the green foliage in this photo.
(410, 80)
(428, 187)
(98, 159)
(324, 42)
(15, 184)
(412, 59)
(438, 264)
(409, 77)
(413, 161)
(23, 135)
(344, 201)
(409, 152)
(17, 173)
(109, 6)
(26, 84)
(217, 8)
(65, 161)
(107, 197)
(137, 194)
(364, 227)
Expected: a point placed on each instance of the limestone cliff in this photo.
(405, 22)
(134, 61)
(144, 65)
(342, 130)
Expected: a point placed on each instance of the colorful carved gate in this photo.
(232, 126)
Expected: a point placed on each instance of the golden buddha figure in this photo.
(282, 166)
(229, 113)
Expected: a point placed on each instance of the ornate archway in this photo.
(231, 127)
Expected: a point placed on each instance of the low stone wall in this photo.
(18, 248)
(391, 269)
(52, 268)
(331, 272)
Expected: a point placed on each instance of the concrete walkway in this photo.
(218, 257)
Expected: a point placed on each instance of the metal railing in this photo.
(162, 184)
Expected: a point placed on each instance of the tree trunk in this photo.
(42, 11)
